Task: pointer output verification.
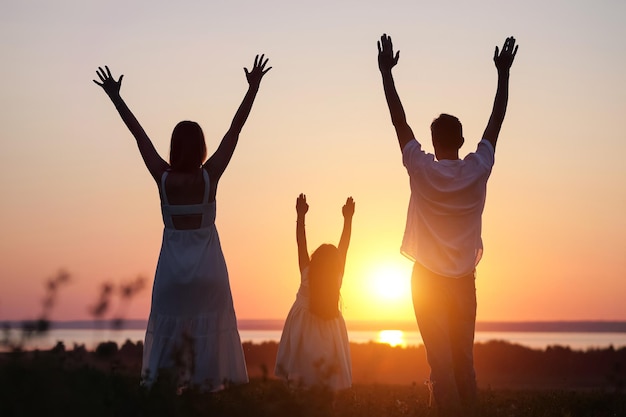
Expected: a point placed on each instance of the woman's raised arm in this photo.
(155, 164)
(217, 163)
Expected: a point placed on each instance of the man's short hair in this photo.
(447, 132)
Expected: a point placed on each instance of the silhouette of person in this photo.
(192, 328)
(443, 232)
(314, 347)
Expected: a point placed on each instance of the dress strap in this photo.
(207, 186)
(163, 193)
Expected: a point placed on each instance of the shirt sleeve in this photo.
(485, 153)
(413, 155)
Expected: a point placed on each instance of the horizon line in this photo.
(571, 326)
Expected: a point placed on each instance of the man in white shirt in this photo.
(443, 232)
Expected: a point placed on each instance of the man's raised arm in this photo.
(503, 61)
(386, 61)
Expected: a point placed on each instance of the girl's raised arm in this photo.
(303, 254)
(348, 211)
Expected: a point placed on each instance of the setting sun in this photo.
(379, 289)
(390, 281)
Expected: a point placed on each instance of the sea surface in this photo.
(538, 335)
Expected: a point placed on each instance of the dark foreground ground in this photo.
(514, 381)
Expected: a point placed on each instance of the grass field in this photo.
(75, 382)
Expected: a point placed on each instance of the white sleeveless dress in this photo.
(312, 350)
(192, 329)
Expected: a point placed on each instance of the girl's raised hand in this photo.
(301, 205)
(258, 71)
(108, 83)
(348, 209)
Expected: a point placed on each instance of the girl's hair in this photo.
(325, 282)
(187, 148)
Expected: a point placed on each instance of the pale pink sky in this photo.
(76, 195)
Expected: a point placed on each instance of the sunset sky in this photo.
(76, 195)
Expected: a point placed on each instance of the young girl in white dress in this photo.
(192, 328)
(314, 348)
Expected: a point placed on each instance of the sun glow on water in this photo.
(392, 337)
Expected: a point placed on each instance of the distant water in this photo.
(582, 337)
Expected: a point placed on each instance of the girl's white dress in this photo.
(313, 350)
(192, 329)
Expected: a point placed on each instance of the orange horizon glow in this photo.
(76, 194)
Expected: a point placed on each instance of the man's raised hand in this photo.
(504, 59)
(386, 58)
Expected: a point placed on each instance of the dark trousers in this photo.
(445, 309)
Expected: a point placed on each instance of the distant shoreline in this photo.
(596, 326)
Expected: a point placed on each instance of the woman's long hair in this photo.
(325, 282)
(187, 147)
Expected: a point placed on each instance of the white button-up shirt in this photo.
(444, 219)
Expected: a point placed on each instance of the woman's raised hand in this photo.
(255, 75)
(108, 83)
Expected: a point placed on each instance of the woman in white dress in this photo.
(192, 328)
(314, 349)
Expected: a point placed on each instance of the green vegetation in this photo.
(106, 383)
(514, 381)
